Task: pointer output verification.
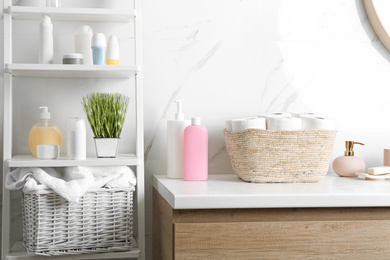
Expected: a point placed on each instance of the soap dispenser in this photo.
(175, 142)
(44, 132)
(348, 165)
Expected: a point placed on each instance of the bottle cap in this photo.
(46, 19)
(349, 148)
(84, 29)
(195, 121)
(179, 112)
(98, 39)
(72, 56)
(44, 113)
(78, 125)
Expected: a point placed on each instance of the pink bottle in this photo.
(195, 162)
(348, 165)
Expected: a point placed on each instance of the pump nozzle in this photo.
(44, 112)
(349, 148)
(179, 113)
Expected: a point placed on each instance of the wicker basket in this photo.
(102, 221)
(280, 156)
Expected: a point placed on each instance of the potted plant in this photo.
(106, 115)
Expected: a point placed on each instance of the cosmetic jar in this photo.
(72, 58)
(48, 151)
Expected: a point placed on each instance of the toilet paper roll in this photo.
(309, 122)
(248, 123)
(277, 114)
(284, 123)
(306, 114)
(228, 125)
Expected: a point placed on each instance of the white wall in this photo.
(236, 58)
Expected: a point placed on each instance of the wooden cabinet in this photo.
(270, 233)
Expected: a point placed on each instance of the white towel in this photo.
(73, 182)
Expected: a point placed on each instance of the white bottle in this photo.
(46, 41)
(112, 51)
(78, 143)
(175, 143)
(82, 42)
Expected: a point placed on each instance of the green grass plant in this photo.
(106, 113)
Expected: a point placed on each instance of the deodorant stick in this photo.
(98, 45)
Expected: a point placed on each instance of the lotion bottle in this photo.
(46, 41)
(195, 151)
(112, 52)
(348, 165)
(175, 143)
(82, 44)
(78, 143)
(44, 132)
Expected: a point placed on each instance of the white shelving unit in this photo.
(10, 160)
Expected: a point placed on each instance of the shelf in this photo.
(71, 71)
(18, 252)
(71, 14)
(31, 161)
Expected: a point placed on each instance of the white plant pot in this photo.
(106, 147)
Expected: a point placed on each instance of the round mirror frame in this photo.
(376, 23)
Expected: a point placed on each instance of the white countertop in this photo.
(228, 191)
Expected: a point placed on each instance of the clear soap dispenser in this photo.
(348, 165)
(44, 132)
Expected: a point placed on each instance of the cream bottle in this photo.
(46, 41)
(348, 165)
(175, 143)
(195, 151)
(112, 51)
(78, 141)
(44, 132)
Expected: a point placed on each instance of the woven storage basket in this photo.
(280, 156)
(102, 221)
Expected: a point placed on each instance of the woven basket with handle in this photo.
(280, 156)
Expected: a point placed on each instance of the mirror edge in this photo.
(376, 23)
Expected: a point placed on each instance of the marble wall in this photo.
(238, 58)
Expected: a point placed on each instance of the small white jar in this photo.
(48, 151)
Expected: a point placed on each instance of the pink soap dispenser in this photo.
(195, 161)
(348, 165)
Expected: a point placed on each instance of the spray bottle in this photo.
(46, 41)
(175, 142)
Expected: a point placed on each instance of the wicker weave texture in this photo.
(102, 221)
(280, 156)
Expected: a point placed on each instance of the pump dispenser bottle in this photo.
(44, 132)
(348, 165)
(175, 142)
